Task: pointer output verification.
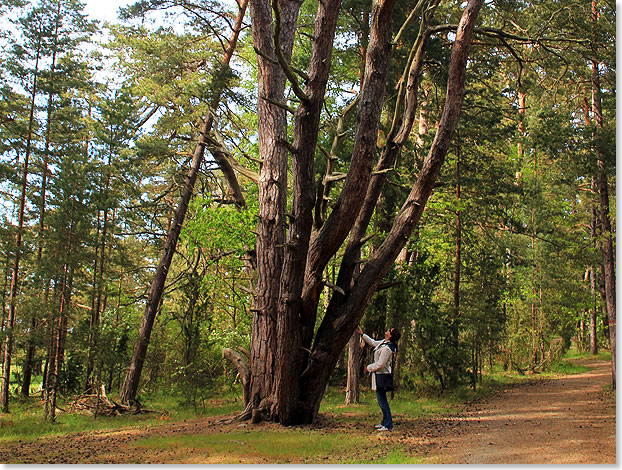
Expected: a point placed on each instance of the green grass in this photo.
(397, 456)
(574, 353)
(405, 403)
(25, 421)
(275, 445)
(566, 366)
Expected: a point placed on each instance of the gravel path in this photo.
(567, 420)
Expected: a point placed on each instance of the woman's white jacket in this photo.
(382, 358)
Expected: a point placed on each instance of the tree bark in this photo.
(241, 365)
(130, 385)
(325, 242)
(354, 364)
(293, 340)
(457, 265)
(58, 350)
(603, 191)
(272, 130)
(52, 383)
(98, 283)
(593, 309)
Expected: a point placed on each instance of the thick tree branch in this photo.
(321, 204)
(331, 235)
(289, 73)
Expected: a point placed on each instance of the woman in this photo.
(383, 351)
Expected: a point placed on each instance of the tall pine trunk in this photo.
(594, 308)
(603, 192)
(58, 336)
(30, 349)
(130, 385)
(455, 330)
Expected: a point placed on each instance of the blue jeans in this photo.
(387, 420)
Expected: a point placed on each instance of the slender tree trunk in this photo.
(50, 335)
(50, 368)
(130, 386)
(8, 342)
(89, 343)
(522, 106)
(593, 309)
(60, 346)
(44, 176)
(603, 191)
(30, 354)
(534, 308)
(58, 350)
(457, 265)
(603, 296)
(7, 276)
(354, 344)
(354, 364)
(424, 113)
(98, 284)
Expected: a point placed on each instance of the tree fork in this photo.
(338, 323)
(292, 336)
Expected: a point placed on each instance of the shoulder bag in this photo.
(384, 382)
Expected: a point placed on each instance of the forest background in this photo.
(511, 261)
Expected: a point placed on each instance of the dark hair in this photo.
(395, 335)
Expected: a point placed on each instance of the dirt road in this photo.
(567, 420)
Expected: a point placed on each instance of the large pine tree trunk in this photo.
(272, 130)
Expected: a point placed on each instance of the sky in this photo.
(104, 10)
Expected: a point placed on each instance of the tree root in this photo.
(245, 415)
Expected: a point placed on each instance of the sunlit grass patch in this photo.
(25, 421)
(565, 368)
(397, 456)
(256, 446)
(574, 353)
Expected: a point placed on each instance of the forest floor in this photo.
(567, 419)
